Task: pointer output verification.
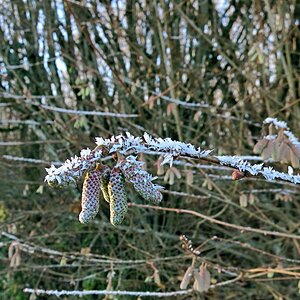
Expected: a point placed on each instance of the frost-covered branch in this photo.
(106, 292)
(87, 113)
(257, 169)
(75, 168)
(283, 125)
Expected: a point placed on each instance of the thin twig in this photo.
(215, 221)
(105, 292)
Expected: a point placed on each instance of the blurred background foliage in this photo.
(204, 72)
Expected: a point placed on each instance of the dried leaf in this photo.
(85, 251)
(202, 279)
(186, 278)
(167, 175)
(285, 154)
(205, 275)
(170, 108)
(14, 254)
(243, 200)
(267, 152)
(276, 150)
(295, 155)
(157, 280)
(197, 115)
(159, 167)
(251, 198)
(260, 146)
(209, 184)
(189, 177)
(63, 261)
(176, 172)
(171, 178)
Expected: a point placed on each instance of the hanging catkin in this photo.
(90, 196)
(117, 196)
(104, 180)
(140, 179)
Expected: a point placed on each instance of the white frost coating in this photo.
(281, 124)
(106, 292)
(132, 161)
(271, 137)
(169, 147)
(277, 123)
(292, 138)
(73, 168)
(258, 169)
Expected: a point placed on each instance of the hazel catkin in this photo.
(90, 196)
(117, 196)
(140, 179)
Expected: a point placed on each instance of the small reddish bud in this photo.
(237, 175)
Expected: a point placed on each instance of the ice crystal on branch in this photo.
(282, 125)
(76, 167)
(278, 124)
(140, 179)
(258, 169)
(167, 146)
(280, 146)
(73, 168)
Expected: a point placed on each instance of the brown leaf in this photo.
(167, 175)
(160, 168)
(189, 177)
(251, 198)
(14, 254)
(260, 146)
(85, 251)
(276, 150)
(285, 154)
(202, 279)
(170, 108)
(176, 172)
(171, 178)
(157, 280)
(243, 200)
(295, 155)
(186, 278)
(294, 159)
(267, 152)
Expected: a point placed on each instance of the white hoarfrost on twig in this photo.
(73, 168)
(258, 169)
(167, 146)
(278, 124)
(282, 125)
(106, 292)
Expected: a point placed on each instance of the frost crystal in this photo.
(277, 124)
(127, 144)
(258, 169)
(167, 146)
(281, 125)
(73, 168)
(140, 179)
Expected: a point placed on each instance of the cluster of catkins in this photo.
(111, 182)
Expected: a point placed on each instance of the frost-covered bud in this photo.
(90, 196)
(140, 179)
(117, 196)
(104, 180)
